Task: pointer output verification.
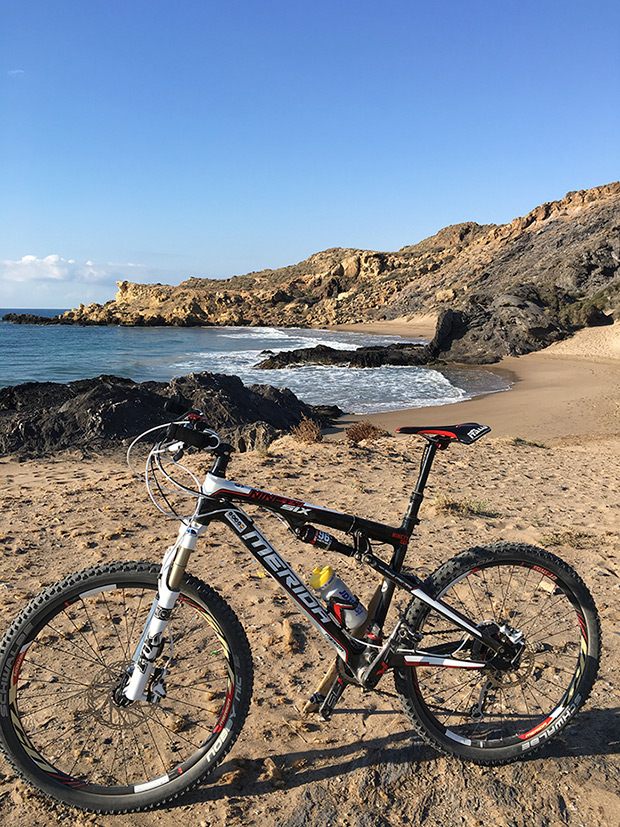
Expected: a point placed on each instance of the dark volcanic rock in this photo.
(31, 318)
(451, 326)
(229, 403)
(510, 324)
(363, 357)
(44, 417)
(326, 414)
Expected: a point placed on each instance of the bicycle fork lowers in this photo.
(142, 680)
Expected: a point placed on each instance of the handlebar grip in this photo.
(203, 440)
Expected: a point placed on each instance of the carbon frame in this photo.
(218, 503)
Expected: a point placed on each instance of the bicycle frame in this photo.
(348, 647)
(366, 661)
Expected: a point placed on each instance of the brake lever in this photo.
(198, 420)
(177, 449)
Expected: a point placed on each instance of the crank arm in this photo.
(331, 699)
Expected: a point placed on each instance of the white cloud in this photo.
(14, 72)
(54, 281)
(53, 268)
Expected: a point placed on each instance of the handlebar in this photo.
(203, 440)
(196, 435)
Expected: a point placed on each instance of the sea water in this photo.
(61, 353)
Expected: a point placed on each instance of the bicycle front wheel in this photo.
(493, 715)
(62, 661)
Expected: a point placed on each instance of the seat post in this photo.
(410, 520)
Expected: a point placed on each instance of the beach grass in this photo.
(528, 443)
(468, 507)
(569, 537)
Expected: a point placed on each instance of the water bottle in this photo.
(340, 601)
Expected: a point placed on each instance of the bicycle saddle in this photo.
(466, 433)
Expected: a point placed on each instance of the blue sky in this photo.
(153, 140)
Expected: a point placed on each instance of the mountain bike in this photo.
(125, 684)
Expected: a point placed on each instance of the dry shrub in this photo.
(307, 431)
(570, 537)
(520, 442)
(444, 504)
(360, 431)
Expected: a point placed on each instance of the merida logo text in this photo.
(285, 575)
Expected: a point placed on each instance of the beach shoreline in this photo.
(570, 390)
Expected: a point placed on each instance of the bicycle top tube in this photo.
(192, 432)
(438, 438)
(294, 510)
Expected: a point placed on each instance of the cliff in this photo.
(553, 270)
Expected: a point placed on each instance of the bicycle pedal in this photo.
(313, 703)
(331, 699)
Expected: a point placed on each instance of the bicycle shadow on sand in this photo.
(595, 733)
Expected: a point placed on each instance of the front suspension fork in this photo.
(152, 641)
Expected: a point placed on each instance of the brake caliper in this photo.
(512, 641)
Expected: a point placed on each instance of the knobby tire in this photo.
(60, 661)
(491, 715)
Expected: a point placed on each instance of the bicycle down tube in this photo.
(259, 546)
(367, 661)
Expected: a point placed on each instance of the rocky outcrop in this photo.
(513, 324)
(32, 318)
(45, 417)
(510, 325)
(567, 250)
(398, 353)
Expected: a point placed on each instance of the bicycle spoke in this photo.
(176, 734)
(96, 657)
(154, 741)
(136, 614)
(73, 644)
(60, 702)
(487, 712)
(115, 627)
(53, 672)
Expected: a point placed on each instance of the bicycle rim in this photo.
(66, 654)
(494, 715)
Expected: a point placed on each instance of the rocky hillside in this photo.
(543, 275)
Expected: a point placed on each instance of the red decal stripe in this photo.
(536, 729)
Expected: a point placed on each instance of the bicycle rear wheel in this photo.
(493, 716)
(65, 654)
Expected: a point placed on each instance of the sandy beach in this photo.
(549, 475)
(569, 391)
